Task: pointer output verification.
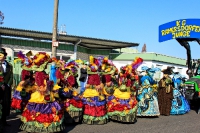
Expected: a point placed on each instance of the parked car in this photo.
(192, 88)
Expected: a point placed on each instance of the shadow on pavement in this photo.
(69, 127)
(14, 122)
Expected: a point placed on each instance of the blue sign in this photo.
(184, 28)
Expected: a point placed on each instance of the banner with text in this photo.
(184, 28)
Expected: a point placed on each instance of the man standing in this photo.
(83, 77)
(165, 92)
(6, 84)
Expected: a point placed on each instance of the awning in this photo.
(93, 43)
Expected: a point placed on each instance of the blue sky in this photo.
(121, 20)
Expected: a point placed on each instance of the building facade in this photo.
(151, 60)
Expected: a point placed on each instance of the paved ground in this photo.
(188, 123)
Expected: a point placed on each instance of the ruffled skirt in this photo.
(73, 110)
(41, 116)
(179, 104)
(95, 111)
(147, 103)
(122, 107)
(19, 102)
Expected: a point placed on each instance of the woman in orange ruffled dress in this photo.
(42, 113)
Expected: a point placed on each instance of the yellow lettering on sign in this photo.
(181, 29)
(177, 23)
(181, 34)
(163, 32)
(183, 22)
(192, 27)
(197, 29)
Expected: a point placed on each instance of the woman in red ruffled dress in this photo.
(94, 101)
(42, 113)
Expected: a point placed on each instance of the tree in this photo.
(144, 48)
(1, 18)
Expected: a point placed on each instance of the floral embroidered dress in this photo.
(179, 103)
(42, 113)
(147, 95)
(94, 101)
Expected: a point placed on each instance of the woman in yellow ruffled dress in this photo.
(122, 106)
(94, 101)
(42, 113)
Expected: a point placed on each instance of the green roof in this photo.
(148, 57)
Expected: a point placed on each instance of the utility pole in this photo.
(55, 23)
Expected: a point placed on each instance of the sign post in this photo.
(55, 43)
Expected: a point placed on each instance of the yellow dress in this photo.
(37, 97)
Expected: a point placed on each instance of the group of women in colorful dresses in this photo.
(162, 98)
(49, 101)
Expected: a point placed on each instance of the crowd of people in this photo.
(49, 101)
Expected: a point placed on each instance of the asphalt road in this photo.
(188, 123)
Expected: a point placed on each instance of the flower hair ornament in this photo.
(27, 61)
(94, 65)
(136, 63)
(40, 61)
